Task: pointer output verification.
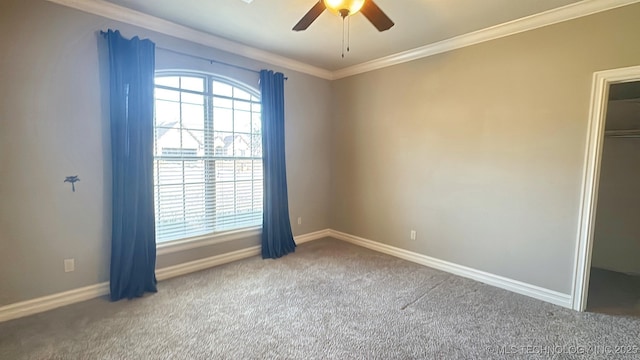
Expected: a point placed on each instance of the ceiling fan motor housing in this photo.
(344, 8)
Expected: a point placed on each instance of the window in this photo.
(207, 156)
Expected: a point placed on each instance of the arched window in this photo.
(208, 156)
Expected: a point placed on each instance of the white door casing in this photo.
(602, 80)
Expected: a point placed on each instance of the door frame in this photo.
(602, 80)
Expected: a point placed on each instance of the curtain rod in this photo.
(211, 61)
(208, 59)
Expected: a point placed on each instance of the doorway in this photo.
(614, 281)
(608, 87)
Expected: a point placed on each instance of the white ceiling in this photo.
(266, 24)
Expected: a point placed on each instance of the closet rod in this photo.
(631, 133)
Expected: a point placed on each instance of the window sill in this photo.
(171, 247)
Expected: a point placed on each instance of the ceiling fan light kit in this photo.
(345, 8)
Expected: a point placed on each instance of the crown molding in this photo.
(120, 13)
(550, 17)
(123, 14)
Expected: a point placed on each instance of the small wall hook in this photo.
(72, 180)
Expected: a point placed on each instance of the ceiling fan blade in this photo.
(377, 17)
(310, 16)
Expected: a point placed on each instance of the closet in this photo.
(614, 285)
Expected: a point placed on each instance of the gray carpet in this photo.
(613, 293)
(329, 300)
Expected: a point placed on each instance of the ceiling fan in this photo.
(345, 8)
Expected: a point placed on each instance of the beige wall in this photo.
(54, 123)
(480, 149)
(616, 244)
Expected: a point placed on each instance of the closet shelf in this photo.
(631, 133)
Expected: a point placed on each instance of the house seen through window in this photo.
(207, 156)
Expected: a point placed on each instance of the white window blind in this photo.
(207, 156)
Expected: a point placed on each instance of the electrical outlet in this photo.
(412, 235)
(299, 220)
(69, 265)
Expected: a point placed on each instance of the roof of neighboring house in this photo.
(227, 140)
(162, 131)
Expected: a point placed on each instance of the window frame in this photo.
(217, 237)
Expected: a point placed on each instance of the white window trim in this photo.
(170, 247)
(194, 242)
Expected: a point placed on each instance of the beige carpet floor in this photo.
(329, 300)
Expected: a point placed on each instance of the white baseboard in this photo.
(38, 305)
(34, 306)
(201, 264)
(519, 287)
(316, 235)
(49, 302)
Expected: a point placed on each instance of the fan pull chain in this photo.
(343, 37)
(348, 32)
